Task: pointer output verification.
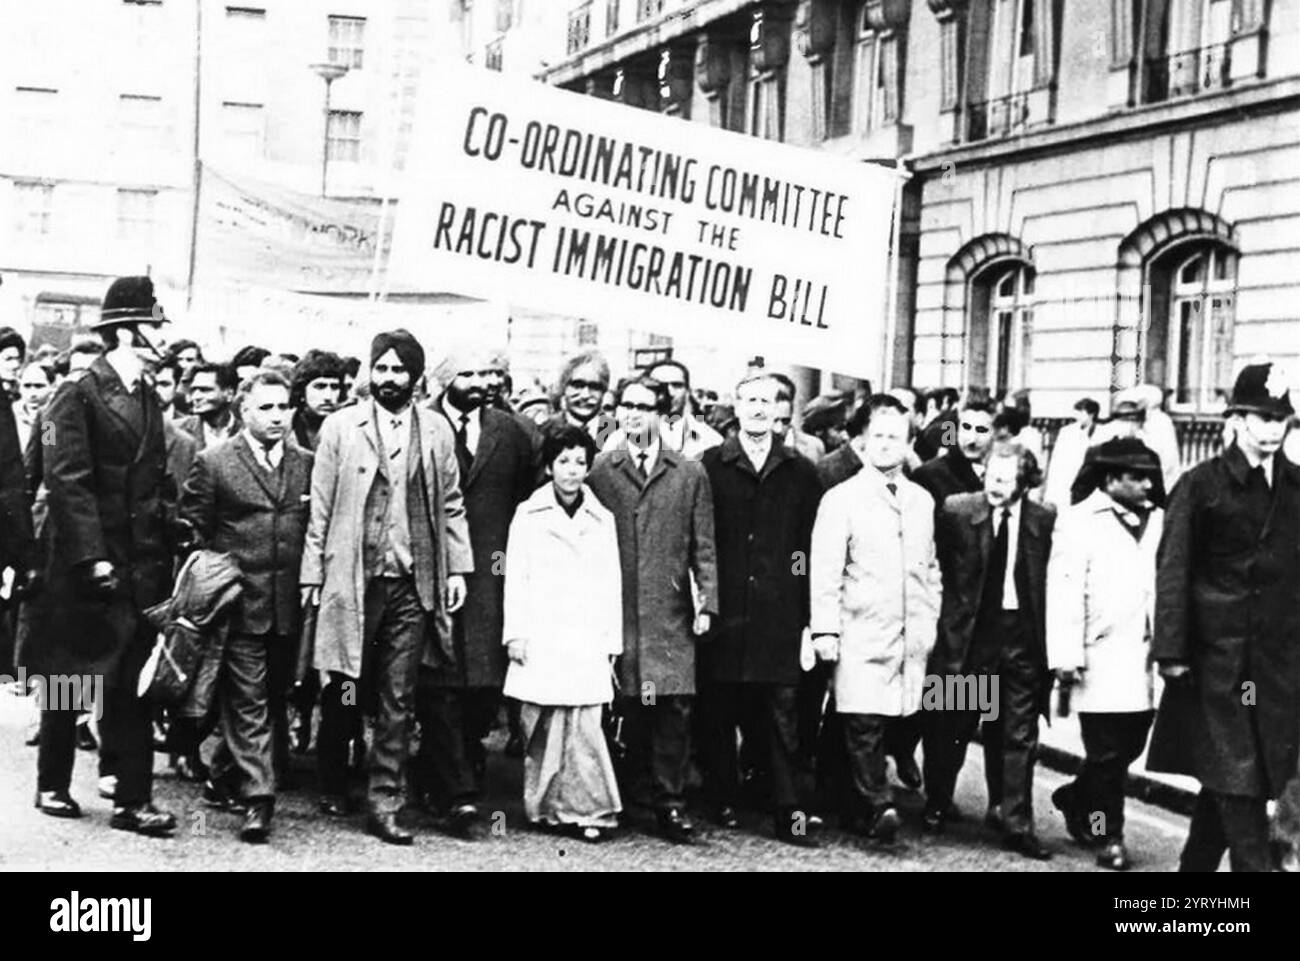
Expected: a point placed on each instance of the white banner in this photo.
(535, 195)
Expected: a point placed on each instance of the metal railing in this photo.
(492, 55)
(579, 28)
(998, 117)
(1200, 436)
(1187, 73)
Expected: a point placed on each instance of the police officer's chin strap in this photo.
(142, 338)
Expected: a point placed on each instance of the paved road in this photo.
(304, 840)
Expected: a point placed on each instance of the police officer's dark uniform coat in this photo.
(1228, 605)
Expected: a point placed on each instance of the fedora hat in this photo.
(1125, 454)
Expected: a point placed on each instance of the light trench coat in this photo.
(564, 596)
(875, 581)
(1101, 592)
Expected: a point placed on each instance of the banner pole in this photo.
(901, 176)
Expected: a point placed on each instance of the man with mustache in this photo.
(385, 558)
(457, 703)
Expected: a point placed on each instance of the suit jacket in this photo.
(108, 500)
(666, 545)
(499, 479)
(951, 473)
(346, 471)
(259, 517)
(964, 540)
(193, 426)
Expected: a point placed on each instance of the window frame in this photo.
(346, 51)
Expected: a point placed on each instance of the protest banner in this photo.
(521, 191)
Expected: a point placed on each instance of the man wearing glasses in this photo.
(663, 510)
(583, 381)
(681, 431)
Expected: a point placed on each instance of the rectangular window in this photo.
(579, 28)
(141, 122)
(135, 216)
(345, 136)
(648, 9)
(243, 128)
(33, 204)
(347, 41)
(492, 56)
(611, 17)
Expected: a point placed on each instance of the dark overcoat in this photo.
(665, 538)
(948, 474)
(499, 478)
(238, 506)
(109, 498)
(763, 524)
(964, 542)
(17, 541)
(1228, 605)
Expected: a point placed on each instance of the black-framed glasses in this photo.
(592, 385)
(643, 408)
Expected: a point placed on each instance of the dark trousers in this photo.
(1111, 742)
(126, 743)
(1012, 738)
(394, 637)
(230, 761)
(658, 738)
(451, 760)
(773, 728)
(1226, 821)
(865, 737)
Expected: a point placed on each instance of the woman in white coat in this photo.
(563, 628)
(1101, 584)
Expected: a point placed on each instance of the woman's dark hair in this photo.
(1014, 419)
(559, 439)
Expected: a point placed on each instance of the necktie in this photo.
(397, 439)
(997, 572)
(464, 456)
(640, 465)
(893, 489)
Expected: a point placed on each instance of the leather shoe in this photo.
(257, 822)
(933, 821)
(386, 828)
(335, 806)
(909, 774)
(885, 827)
(1114, 856)
(674, 826)
(218, 795)
(85, 736)
(143, 819)
(1076, 825)
(724, 816)
(1026, 845)
(993, 817)
(57, 804)
(464, 822)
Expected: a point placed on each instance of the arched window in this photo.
(1001, 324)
(1198, 326)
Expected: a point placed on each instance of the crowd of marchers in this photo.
(384, 564)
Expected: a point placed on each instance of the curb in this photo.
(1139, 786)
